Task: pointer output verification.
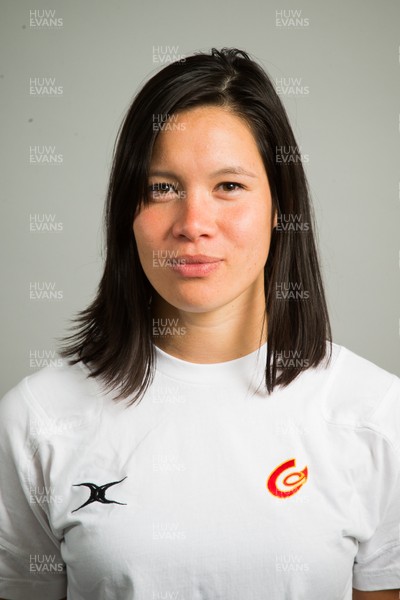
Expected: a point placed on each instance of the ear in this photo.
(275, 219)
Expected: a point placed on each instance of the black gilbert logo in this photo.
(98, 493)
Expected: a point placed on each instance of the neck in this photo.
(219, 335)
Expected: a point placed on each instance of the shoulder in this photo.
(51, 400)
(360, 394)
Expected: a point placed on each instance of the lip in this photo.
(198, 265)
(197, 258)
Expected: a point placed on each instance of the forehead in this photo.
(204, 133)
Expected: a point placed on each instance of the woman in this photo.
(205, 439)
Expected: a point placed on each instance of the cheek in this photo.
(250, 229)
(147, 232)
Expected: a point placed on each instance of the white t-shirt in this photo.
(208, 489)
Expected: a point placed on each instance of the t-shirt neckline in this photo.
(206, 373)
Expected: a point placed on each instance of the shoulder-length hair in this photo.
(113, 335)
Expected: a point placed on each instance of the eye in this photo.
(161, 191)
(231, 186)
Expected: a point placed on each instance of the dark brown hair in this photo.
(113, 335)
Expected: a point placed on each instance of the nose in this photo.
(195, 216)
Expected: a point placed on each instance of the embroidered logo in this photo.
(286, 486)
(98, 493)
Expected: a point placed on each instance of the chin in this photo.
(199, 306)
(195, 302)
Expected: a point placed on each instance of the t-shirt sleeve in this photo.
(31, 565)
(377, 563)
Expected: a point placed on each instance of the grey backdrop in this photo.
(67, 78)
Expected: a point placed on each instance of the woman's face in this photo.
(204, 237)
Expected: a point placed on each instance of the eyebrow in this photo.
(229, 170)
